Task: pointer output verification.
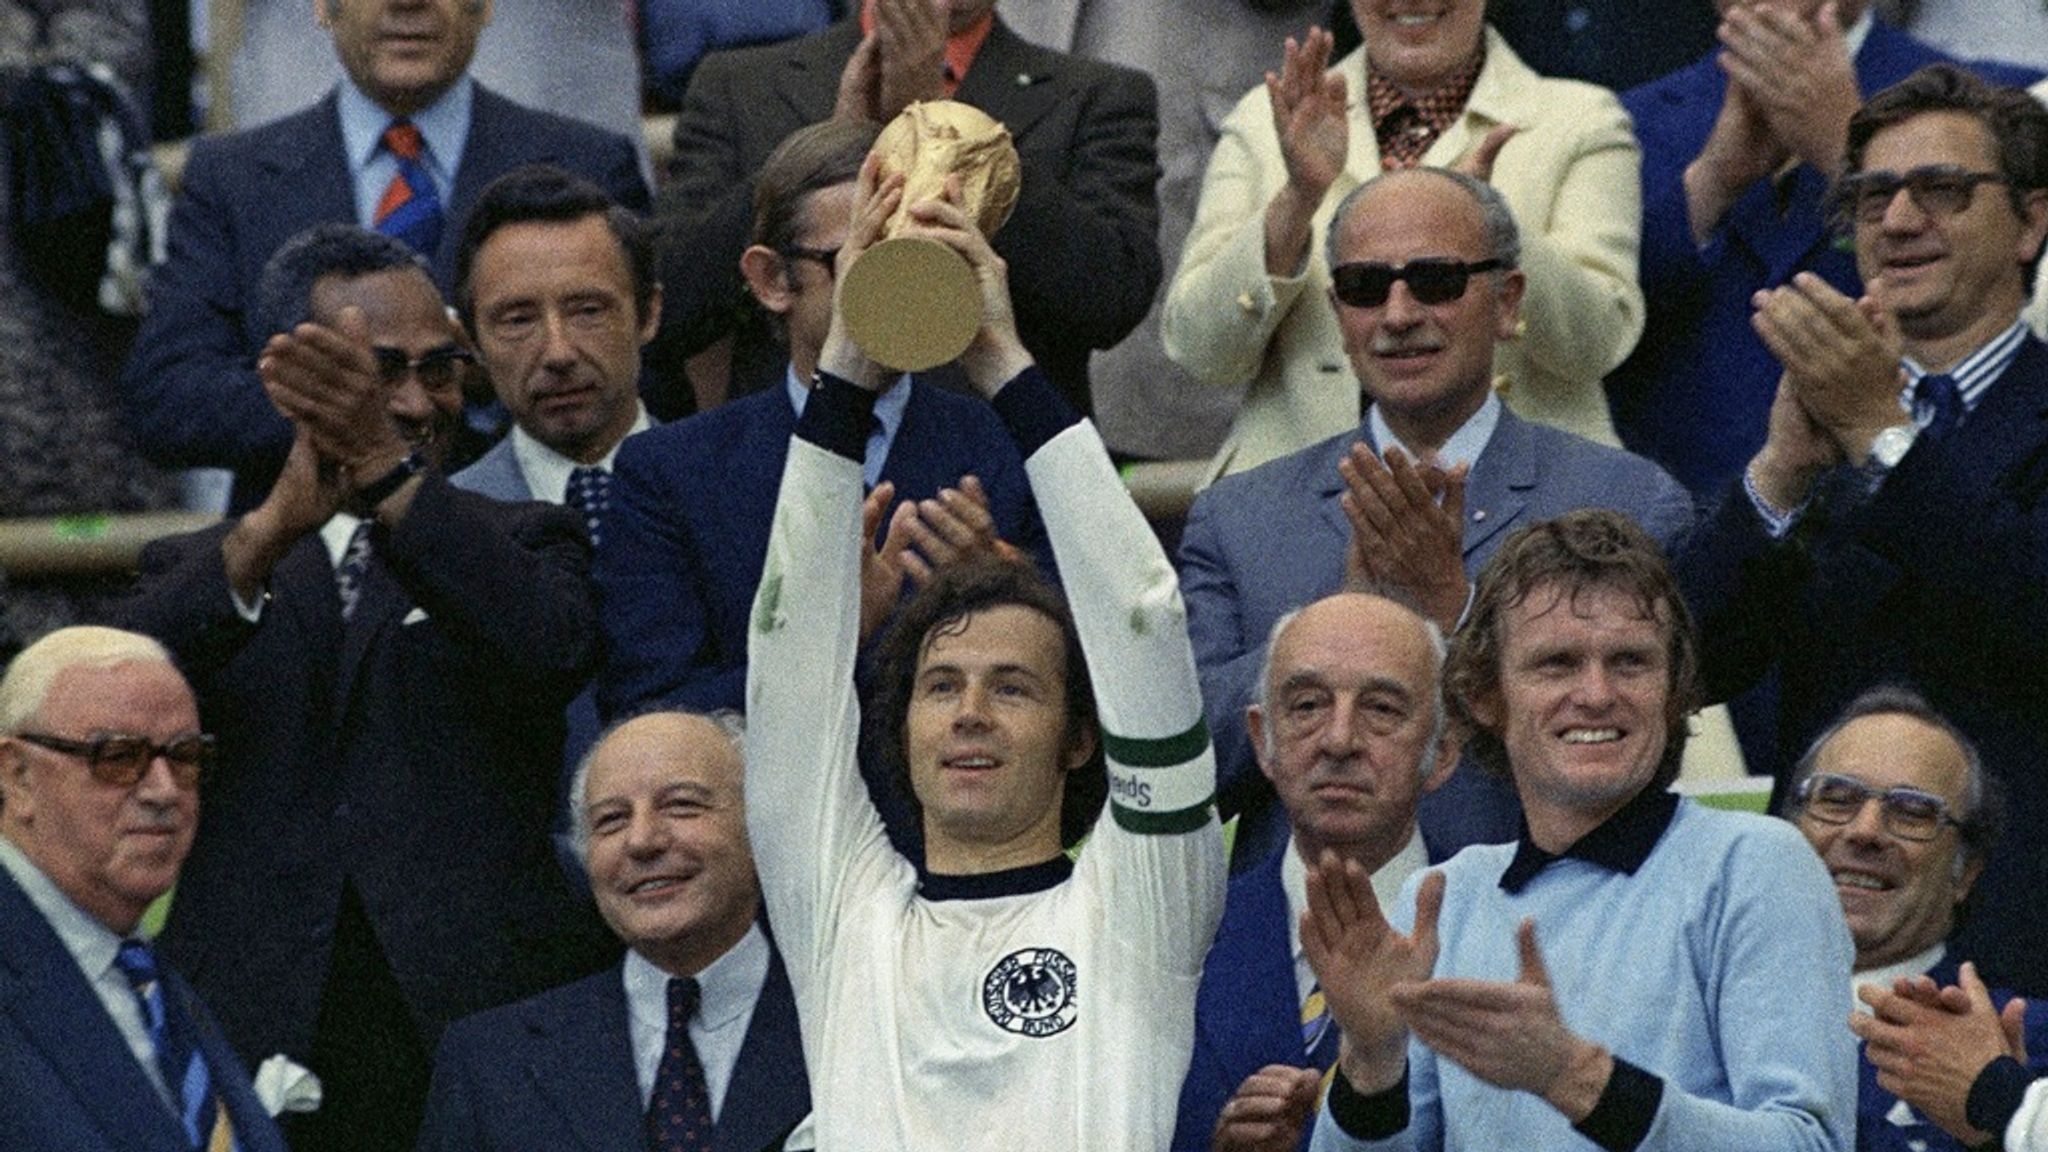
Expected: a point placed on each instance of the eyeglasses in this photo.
(1430, 281)
(122, 760)
(1936, 189)
(437, 370)
(1909, 813)
(829, 257)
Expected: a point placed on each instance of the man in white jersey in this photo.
(997, 994)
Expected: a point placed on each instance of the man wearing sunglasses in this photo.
(1893, 526)
(102, 1046)
(1896, 802)
(386, 660)
(1426, 283)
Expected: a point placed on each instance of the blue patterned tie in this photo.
(679, 1113)
(590, 492)
(177, 1053)
(355, 565)
(1940, 402)
(410, 208)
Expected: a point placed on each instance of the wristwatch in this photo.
(379, 490)
(1889, 446)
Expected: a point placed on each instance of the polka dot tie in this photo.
(590, 492)
(679, 1114)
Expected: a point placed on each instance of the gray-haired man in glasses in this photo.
(101, 1045)
(1426, 282)
(1893, 527)
(1895, 800)
(386, 660)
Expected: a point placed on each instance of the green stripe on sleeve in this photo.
(1159, 752)
(1160, 823)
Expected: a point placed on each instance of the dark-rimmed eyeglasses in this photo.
(1430, 281)
(121, 760)
(437, 370)
(829, 257)
(1937, 190)
(1909, 813)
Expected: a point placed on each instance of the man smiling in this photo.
(1636, 971)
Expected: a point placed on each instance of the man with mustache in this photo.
(1427, 283)
(385, 659)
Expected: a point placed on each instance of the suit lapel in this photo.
(2002, 449)
(382, 603)
(48, 998)
(757, 1105)
(1330, 486)
(1498, 488)
(1011, 81)
(1249, 1013)
(308, 179)
(808, 81)
(582, 1065)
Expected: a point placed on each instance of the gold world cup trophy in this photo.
(911, 302)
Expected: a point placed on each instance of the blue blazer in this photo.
(1878, 1131)
(1246, 1013)
(555, 1074)
(1264, 542)
(1695, 394)
(190, 385)
(1939, 581)
(70, 1082)
(691, 505)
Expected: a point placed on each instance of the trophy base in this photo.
(911, 303)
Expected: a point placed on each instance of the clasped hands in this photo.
(1841, 385)
(1407, 530)
(1379, 987)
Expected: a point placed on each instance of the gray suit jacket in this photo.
(495, 474)
(1264, 542)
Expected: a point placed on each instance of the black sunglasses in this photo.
(437, 370)
(1936, 189)
(1430, 281)
(121, 760)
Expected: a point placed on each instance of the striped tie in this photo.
(1320, 1038)
(410, 208)
(178, 1056)
(355, 566)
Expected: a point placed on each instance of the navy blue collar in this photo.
(1619, 844)
(990, 885)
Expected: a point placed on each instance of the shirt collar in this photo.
(1974, 373)
(92, 944)
(335, 534)
(961, 47)
(1855, 34)
(1387, 881)
(547, 471)
(1914, 965)
(1619, 844)
(992, 885)
(444, 125)
(726, 987)
(1462, 447)
(889, 405)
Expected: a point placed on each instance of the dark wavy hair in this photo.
(1580, 552)
(545, 194)
(944, 606)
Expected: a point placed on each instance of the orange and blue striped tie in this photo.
(410, 208)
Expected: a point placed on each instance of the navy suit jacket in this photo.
(411, 752)
(1878, 1131)
(1264, 542)
(1695, 393)
(1082, 242)
(69, 1080)
(692, 502)
(190, 385)
(1939, 581)
(1246, 1012)
(555, 1074)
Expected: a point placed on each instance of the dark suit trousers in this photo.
(373, 1065)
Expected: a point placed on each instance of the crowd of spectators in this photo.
(616, 710)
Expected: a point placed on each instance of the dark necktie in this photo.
(410, 208)
(354, 567)
(177, 1054)
(679, 1113)
(1938, 398)
(590, 492)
